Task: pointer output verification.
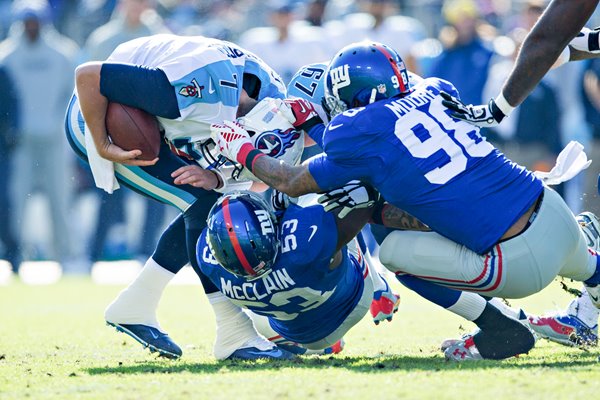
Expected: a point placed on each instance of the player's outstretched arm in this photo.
(93, 107)
(560, 23)
(234, 143)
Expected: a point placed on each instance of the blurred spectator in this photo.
(8, 140)
(531, 136)
(466, 58)
(591, 95)
(285, 46)
(380, 22)
(315, 12)
(131, 19)
(41, 63)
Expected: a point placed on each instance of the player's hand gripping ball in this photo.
(133, 129)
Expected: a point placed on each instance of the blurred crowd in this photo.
(472, 43)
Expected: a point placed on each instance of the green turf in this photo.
(54, 344)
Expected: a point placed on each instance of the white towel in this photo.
(103, 170)
(571, 161)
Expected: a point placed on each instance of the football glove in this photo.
(588, 40)
(280, 202)
(230, 138)
(305, 115)
(353, 195)
(483, 116)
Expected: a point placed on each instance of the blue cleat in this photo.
(151, 338)
(254, 353)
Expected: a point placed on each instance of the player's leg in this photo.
(262, 325)
(500, 334)
(156, 182)
(237, 338)
(515, 268)
(134, 310)
(355, 316)
(578, 323)
(385, 302)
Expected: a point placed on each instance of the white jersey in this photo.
(206, 75)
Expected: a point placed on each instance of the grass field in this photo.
(54, 345)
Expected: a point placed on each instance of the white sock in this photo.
(137, 303)
(504, 308)
(469, 306)
(582, 308)
(378, 280)
(234, 328)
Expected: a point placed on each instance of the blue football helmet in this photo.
(363, 73)
(242, 234)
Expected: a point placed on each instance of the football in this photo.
(133, 129)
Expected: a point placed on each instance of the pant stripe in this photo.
(492, 268)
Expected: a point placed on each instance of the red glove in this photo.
(305, 113)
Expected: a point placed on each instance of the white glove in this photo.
(587, 40)
(483, 116)
(229, 138)
(351, 196)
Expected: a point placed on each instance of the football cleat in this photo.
(564, 329)
(450, 342)
(254, 353)
(590, 226)
(150, 338)
(463, 350)
(297, 349)
(385, 303)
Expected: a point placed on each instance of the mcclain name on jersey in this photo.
(276, 280)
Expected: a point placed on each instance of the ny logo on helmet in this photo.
(266, 226)
(340, 78)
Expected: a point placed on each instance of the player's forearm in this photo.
(393, 217)
(558, 25)
(93, 104)
(291, 180)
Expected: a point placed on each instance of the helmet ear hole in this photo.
(243, 235)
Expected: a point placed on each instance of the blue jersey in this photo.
(423, 161)
(304, 300)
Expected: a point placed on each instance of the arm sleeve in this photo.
(138, 86)
(316, 134)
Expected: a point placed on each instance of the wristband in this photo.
(378, 208)
(503, 105)
(248, 154)
(220, 179)
(311, 123)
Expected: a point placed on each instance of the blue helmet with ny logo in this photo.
(363, 73)
(242, 234)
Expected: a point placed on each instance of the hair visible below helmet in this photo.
(363, 73)
(272, 133)
(242, 234)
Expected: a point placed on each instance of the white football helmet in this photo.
(269, 126)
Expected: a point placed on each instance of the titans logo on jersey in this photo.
(300, 289)
(423, 161)
(207, 76)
